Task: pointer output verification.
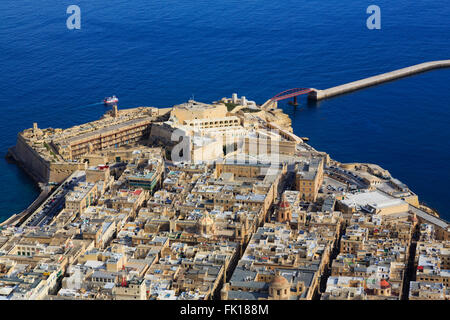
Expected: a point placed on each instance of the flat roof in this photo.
(374, 199)
(106, 129)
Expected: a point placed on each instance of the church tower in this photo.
(284, 212)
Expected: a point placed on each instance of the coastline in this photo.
(357, 192)
(281, 120)
(44, 191)
(12, 157)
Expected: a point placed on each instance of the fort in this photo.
(51, 155)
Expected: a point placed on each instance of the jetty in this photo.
(316, 94)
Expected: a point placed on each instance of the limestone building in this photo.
(309, 178)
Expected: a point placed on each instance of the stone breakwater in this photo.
(316, 94)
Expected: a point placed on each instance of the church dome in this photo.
(279, 282)
(384, 284)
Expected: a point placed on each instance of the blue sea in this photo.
(160, 53)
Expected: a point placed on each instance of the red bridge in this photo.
(291, 93)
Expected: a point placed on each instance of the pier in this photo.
(316, 94)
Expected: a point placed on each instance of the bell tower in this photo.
(284, 212)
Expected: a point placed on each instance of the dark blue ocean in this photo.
(160, 53)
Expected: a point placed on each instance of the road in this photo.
(52, 206)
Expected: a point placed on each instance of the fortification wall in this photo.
(34, 164)
(38, 168)
(61, 170)
(161, 133)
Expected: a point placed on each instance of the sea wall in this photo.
(316, 94)
(37, 167)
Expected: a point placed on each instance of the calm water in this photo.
(161, 52)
